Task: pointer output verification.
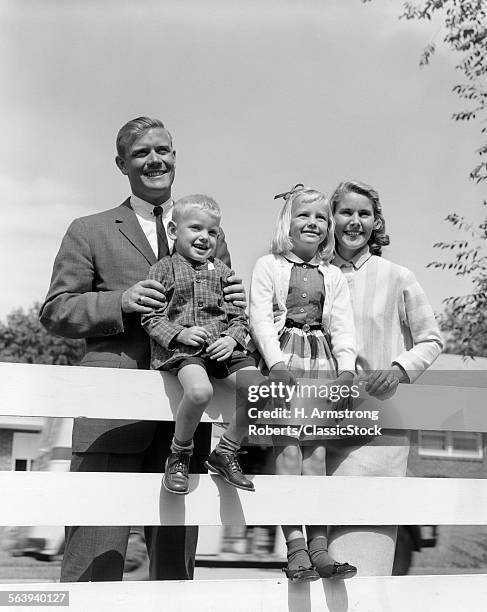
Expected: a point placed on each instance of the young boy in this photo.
(197, 334)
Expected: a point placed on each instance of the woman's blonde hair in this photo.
(378, 238)
(282, 243)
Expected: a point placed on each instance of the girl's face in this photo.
(354, 222)
(309, 227)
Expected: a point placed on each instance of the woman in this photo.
(397, 339)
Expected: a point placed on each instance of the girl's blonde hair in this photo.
(378, 238)
(282, 243)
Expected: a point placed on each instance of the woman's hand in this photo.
(234, 291)
(383, 384)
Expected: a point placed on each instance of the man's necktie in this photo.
(162, 245)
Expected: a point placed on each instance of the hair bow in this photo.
(289, 193)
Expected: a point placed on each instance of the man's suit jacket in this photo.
(100, 257)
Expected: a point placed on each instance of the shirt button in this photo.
(197, 280)
(304, 294)
(200, 303)
(301, 310)
(305, 266)
(305, 278)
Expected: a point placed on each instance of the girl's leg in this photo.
(314, 464)
(299, 568)
(197, 393)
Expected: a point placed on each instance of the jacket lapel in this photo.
(129, 226)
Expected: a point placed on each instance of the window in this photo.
(462, 444)
(23, 465)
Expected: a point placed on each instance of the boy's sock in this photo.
(318, 553)
(297, 554)
(178, 446)
(226, 446)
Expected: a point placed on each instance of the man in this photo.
(98, 293)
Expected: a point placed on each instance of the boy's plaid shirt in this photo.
(194, 297)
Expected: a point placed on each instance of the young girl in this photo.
(312, 335)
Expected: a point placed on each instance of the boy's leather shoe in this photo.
(228, 467)
(176, 476)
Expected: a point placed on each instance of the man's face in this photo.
(195, 234)
(149, 164)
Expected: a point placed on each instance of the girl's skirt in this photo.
(307, 354)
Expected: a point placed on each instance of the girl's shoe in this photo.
(301, 574)
(337, 571)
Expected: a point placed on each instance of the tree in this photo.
(465, 32)
(24, 340)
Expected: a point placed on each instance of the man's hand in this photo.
(145, 296)
(382, 384)
(234, 291)
(192, 336)
(222, 348)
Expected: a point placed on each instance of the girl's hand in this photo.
(279, 373)
(276, 313)
(222, 348)
(345, 379)
(192, 336)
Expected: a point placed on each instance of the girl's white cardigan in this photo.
(268, 293)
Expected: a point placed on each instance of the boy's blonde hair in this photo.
(282, 243)
(197, 200)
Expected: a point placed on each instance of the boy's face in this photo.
(195, 234)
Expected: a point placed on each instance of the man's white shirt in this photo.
(145, 216)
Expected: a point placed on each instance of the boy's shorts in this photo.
(217, 369)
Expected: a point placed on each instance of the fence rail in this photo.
(43, 498)
(40, 498)
(379, 594)
(64, 391)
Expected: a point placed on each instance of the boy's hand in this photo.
(192, 336)
(234, 291)
(222, 348)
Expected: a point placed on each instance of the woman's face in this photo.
(354, 222)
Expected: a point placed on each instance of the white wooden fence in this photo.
(39, 498)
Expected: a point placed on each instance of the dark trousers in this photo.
(98, 553)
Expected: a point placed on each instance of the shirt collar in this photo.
(201, 265)
(357, 260)
(293, 258)
(145, 209)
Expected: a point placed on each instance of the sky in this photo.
(258, 95)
